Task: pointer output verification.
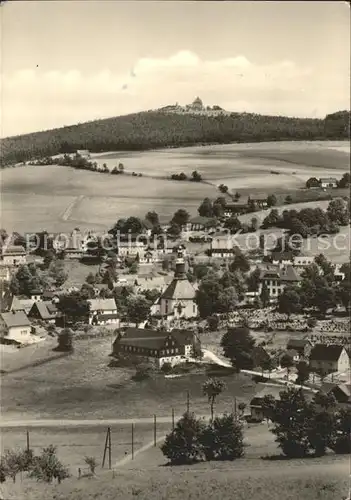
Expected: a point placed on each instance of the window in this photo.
(176, 349)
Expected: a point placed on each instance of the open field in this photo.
(60, 198)
(75, 443)
(314, 479)
(82, 385)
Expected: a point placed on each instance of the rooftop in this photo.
(14, 250)
(15, 318)
(102, 304)
(324, 352)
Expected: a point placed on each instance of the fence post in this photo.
(187, 401)
(155, 434)
(172, 419)
(109, 448)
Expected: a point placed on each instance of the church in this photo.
(178, 299)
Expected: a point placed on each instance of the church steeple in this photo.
(180, 264)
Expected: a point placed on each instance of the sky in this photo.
(65, 62)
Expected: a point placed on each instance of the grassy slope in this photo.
(216, 480)
(82, 386)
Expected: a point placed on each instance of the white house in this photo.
(14, 256)
(130, 248)
(282, 258)
(329, 358)
(16, 327)
(328, 182)
(84, 153)
(275, 279)
(103, 312)
(301, 261)
(172, 347)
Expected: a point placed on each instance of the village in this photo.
(166, 293)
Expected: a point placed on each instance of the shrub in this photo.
(47, 467)
(311, 322)
(183, 445)
(223, 439)
(213, 323)
(166, 368)
(65, 340)
(91, 463)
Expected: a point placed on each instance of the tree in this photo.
(223, 188)
(341, 442)
(174, 230)
(326, 266)
(195, 176)
(238, 345)
(240, 263)
(213, 322)
(121, 168)
(264, 296)
(48, 467)
(183, 445)
(138, 309)
(65, 341)
(49, 257)
(181, 217)
(289, 301)
(133, 269)
(338, 212)
(91, 463)
(74, 307)
(223, 439)
(344, 181)
(286, 361)
(206, 209)
(290, 415)
(227, 300)
(254, 224)
(253, 280)
(312, 182)
(325, 295)
(272, 219)
(207, 294)
(57, 272)
(233, 224)
(271, 200)
(212, 388)
(153, 218)
(303, 372)
(288, 199)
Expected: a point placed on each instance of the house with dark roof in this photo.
(236, 207)
(160, 346)
(200, 223)
(45, 311)
(15, 327)
(103, 312)
(282, 258)
(19, 304)
(329, 358)
(341, 392)
(178, 298)
(14, 256)
(276, 278)
(302, 348)
(260, 200)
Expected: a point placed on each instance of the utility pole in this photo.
(107, 447)
(172, 419)
(27, 441)
(187, 401)
(132, 441)
(155, 438)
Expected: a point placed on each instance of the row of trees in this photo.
(30, 278)
(311, 221)
(195, 177)
(149, 130)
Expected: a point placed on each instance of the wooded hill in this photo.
(155, 129)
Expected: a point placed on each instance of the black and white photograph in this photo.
(175, 282)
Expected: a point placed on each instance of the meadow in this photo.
(82, 385)
(55, 198)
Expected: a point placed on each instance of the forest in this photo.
(157, 129)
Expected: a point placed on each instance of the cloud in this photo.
(35, 100)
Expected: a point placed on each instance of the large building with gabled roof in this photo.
(158, 345)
